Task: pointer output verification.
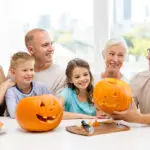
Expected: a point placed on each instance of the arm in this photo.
(2, 75)
(71, 115)
(100, 114)
(132, 115)
(3, 87)
(11, 102)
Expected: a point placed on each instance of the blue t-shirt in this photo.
(72, 104)
(14, 95)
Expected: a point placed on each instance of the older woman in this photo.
(114, 55)
(140, 85)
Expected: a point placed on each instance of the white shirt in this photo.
(53, 78)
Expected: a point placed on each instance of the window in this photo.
(131, 19)
(69, 22)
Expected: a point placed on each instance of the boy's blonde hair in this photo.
(20, 57)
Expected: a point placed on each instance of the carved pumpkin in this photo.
(39, 113)
(1, 125)
(111, 94)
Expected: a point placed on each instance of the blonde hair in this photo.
(30, 35)
(20, 57)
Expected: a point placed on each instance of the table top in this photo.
(12, 137)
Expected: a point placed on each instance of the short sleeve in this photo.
(133, 84)
(11, 102)
(41, 88)
(67, 95)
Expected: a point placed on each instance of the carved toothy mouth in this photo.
(45, 118)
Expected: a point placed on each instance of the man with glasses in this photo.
(38, 43)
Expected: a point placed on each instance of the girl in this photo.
(22, 71)
(76, 98)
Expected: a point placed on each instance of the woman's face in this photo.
(114, 58)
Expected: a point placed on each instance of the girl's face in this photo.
(24, 72)
(114, 57)
(80, 77)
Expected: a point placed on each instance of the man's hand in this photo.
(128, 115)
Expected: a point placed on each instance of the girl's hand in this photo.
(101, 115)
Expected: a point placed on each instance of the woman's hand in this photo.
(9, 83)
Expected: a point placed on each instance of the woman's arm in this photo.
(2, 75)
(3, 88)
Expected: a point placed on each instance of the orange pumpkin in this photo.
(39, 113)
(1, 125)
(111, 94)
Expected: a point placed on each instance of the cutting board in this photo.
(104, 128)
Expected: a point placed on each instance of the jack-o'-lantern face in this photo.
(111, 94)
(39, 113)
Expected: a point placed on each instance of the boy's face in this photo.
(24, 72)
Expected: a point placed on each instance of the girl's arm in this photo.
(72, 115)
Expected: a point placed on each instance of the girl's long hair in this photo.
(77, 62)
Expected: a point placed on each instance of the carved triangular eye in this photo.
(42, 104)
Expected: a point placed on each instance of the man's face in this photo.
(41, 47)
